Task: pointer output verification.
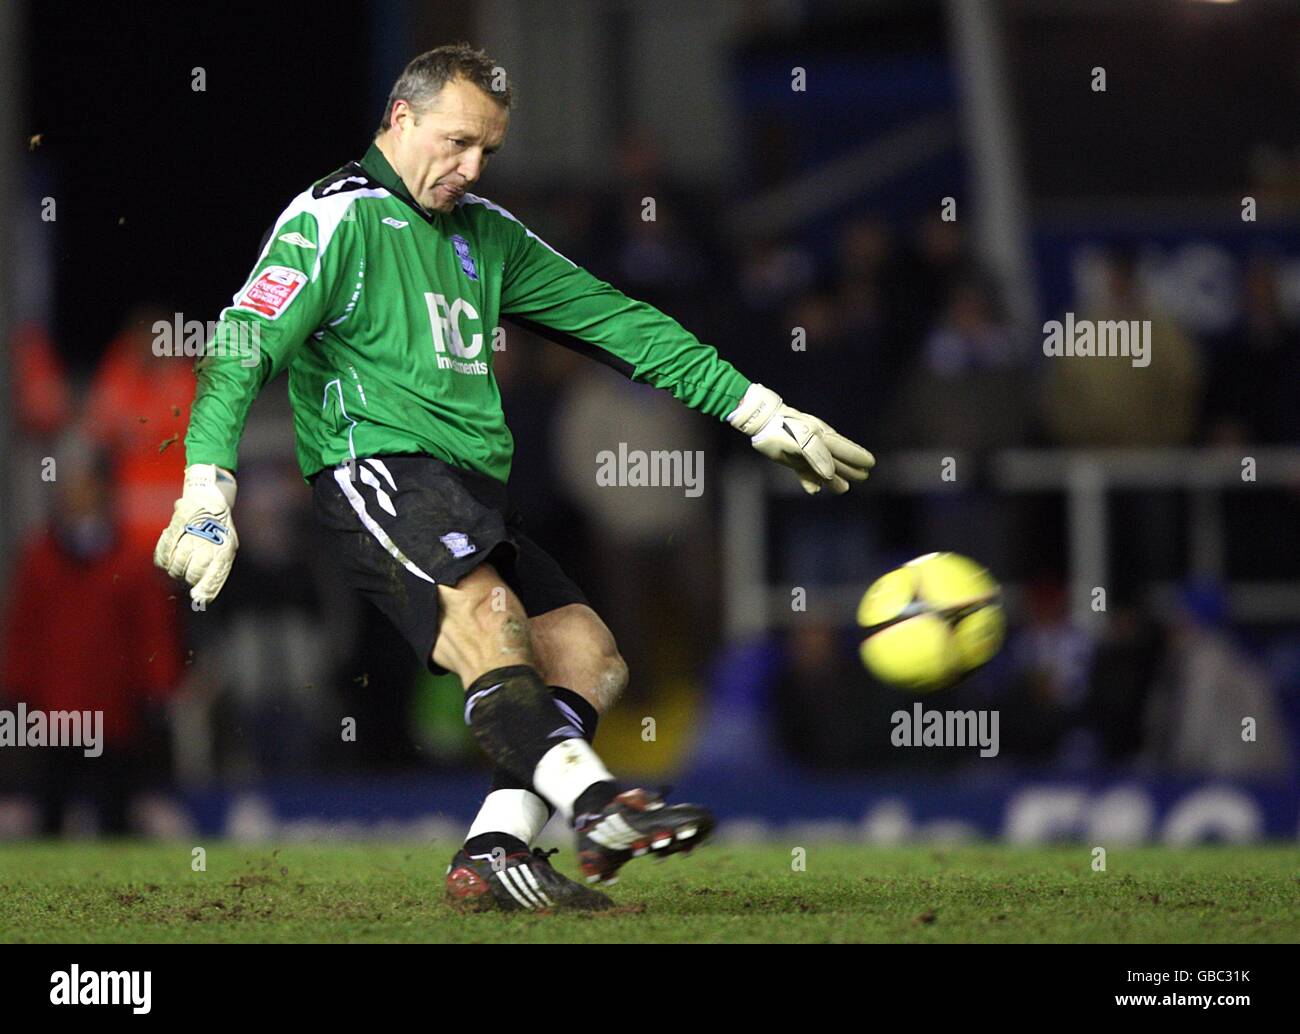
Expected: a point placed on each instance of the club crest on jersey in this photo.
(458, 543)
(214, 531)
(466, 261)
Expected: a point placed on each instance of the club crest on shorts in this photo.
(466, 261)
(458, 543)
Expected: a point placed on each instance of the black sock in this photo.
(584, 717)
(487, 843)
(515, 719)
(593, 799)
(578, 709)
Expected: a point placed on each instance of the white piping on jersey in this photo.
(338, 383)
(474, 199)
(351, 307)
(328, 212)
(359, 505)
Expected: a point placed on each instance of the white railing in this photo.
(1084, 477)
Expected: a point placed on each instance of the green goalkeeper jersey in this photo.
(387, 318)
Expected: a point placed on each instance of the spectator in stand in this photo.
(865, 275)
(1255, 370)
(821, 705)
(89, 627)
(1051, 660)
(967, 391)
(1252, 402)
(43, 399)
(658, 253)
(772, 273)
(41, 405)
(138, 410)
(1197, 718)
(922, 281)
(829, 544)
(1126, 665)
(772, 276)
(269, 648)
(1107, 402)
(966, 396)
(656, 579)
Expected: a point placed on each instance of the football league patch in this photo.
(271, 293)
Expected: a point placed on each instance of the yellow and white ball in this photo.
(931, 622)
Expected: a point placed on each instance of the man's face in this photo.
(442, 152)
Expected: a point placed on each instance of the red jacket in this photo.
(97, 635)
(139, 407)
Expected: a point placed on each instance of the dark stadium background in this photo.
(776, 209)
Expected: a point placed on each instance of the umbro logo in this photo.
(396, 224)
(296, 239)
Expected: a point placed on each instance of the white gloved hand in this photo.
(200, 542)
(806, 445)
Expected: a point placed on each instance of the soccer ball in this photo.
(931, 622)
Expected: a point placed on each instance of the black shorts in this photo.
(400, 526)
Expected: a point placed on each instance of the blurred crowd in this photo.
(905, 345)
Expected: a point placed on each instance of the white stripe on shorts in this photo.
(359, 505)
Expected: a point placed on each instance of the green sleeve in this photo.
(543, 287)
(294, 288)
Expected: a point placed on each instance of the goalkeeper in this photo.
(378, 289)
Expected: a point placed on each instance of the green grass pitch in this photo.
(138, 892)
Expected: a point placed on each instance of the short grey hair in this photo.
(423, 79)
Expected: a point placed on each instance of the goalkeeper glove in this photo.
(801, 442)
(200, 542)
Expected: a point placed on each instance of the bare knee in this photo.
(576, 650)
(610, 680)
(598, 676)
